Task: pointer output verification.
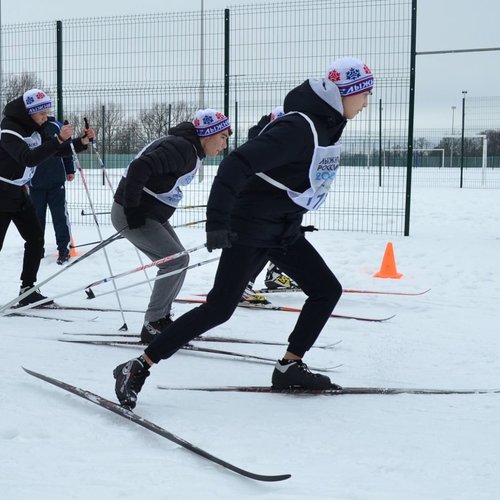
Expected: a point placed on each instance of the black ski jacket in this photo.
(263, 215)
(157, 168)
(16, 155)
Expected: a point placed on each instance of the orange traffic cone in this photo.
(388, 268)
(72, 249)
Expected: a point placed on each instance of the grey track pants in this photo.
(156, 240)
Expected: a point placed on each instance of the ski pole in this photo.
(124, 327)
(64, 268)
(91, 243)
(145, 266)
(85, 214)
(189, 224)
(84, 288)
(110, 185)
(166, 275)
(99, 159)
(121, 237)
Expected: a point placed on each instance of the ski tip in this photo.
(280, 477)
(30, 372)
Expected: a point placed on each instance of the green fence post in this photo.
(226, 66)
(411, 116)
(59, 66)
(463, 140)
(380, 143)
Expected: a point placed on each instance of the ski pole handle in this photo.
(87, 126)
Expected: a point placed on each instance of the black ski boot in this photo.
(290, 374)
(251, 297)
(63, 258)
(151, 329)
(33, 297)
(275, 279)
(130, 378)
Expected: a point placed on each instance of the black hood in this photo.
(15, 110)
(188, 131)
(304, 99)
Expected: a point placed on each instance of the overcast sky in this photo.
(442, 25)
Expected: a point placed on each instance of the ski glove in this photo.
(306, 229)
(221, 238)
(135, 217)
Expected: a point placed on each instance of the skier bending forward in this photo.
(255, 209)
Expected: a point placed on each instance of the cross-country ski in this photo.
(193, 348)
(345, 290)
(271, 307)
(268, 307)
(207, 338)
(150, 426)
(332, 392)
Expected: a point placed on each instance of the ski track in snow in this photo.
(58, 447)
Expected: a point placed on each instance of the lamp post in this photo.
(453, 108)
(464, 93)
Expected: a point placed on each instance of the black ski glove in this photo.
(221, 238)
(135, 217)
(307, 229)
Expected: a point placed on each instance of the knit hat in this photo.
(350, 75)
(210, 122)
(36, 100)
(277, 112)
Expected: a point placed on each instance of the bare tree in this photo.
(17, 85)
(156, 120)
(473, 146)
(421, 143)
(106, 120)
(493, 137)
(128, 138)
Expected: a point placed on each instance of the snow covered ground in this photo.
(55, 446)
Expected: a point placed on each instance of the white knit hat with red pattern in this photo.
(350, 75)
(210, 122)
(277, 112)
(36, 100)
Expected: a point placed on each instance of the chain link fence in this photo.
(465, 155)
(134, 76)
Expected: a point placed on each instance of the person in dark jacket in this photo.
(22, 148)
(148, 195)
(47, 190)
(255, 130)
(275, 278)
(255, 208)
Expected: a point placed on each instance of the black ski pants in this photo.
(237, 264)
(30, 230)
